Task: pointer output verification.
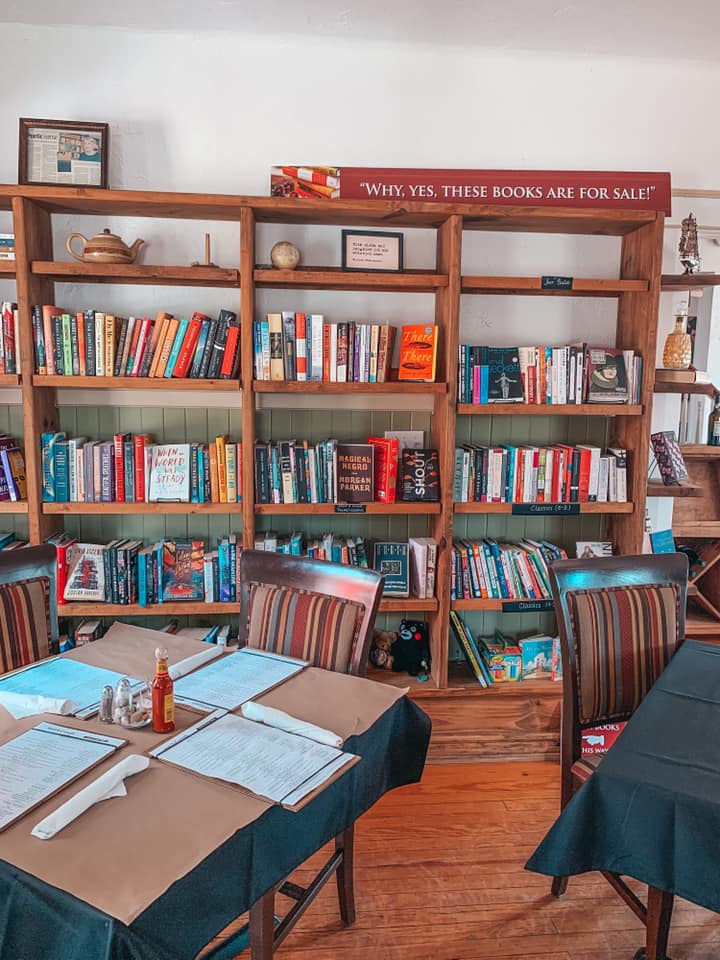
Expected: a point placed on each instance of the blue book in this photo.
(391, 560)
(47, 456)
(176, 347)
(224, 582)
(61, 470)
(663, 542)
(199, 350)
(257, 351)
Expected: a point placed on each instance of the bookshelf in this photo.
(635, 291)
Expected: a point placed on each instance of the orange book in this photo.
(187, 350)
(214, 479)
(221, 468)
(110, 344)
(80, 317)
(418, 352)
(166, 348)
(157, 340)
(48, 312)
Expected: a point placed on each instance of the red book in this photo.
(301, 346)
(385, 461)
(62, 568)
(81, 343)
(140, 441)
(326, 352)
(119, 457)
(142, 345)
(584, 475)
(187, 350)
(231, 345)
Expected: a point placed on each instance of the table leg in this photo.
(262, 927)
(346, 874)
(659, 914)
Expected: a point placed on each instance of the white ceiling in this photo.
(646, 28)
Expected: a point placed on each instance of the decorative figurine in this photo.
(688, 246)
(104, 247)
(677, 352)
(285, 255)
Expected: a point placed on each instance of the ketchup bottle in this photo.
(163, 697)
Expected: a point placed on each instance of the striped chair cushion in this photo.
(586, 766)
(24, 622)
(624, 638)
(298, 623)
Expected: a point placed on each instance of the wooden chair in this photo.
(28, 606)
(607, 608)
(321, 612)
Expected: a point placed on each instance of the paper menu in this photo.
(282, 767)
(42, 761)
(62, 678)
(238, 677)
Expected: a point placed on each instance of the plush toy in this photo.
(407, 650)
(380, 649)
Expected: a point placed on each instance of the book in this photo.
(420, 476)
(606, 376)
(418, 352)
(182, 570)
(504, 380)
(275, 330)
(423, 557)
(13, 464)
(355, 472)
(386, 468)
(468, 647)
(663, 541)
(586, 549)
(86, 572)
(536, 657)
(669, 458)
(390, 559)
(170, 472)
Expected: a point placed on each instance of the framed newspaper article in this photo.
(63, 152)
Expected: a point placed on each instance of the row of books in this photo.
(488, 569)
(296, 471)
(10, 541)
(408, 566)
(495, 660)
(13, 482)
(97, 344)
(9, 362)
(125, 571)
(132, 469)
(313, 182)
(573, 374)
(530, 474)
(7, 246)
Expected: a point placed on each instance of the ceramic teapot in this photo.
(104, 247)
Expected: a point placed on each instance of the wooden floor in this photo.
(440, 877)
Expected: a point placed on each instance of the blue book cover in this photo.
(257, 351)
(61, 471)
(199, 350)
(484, 383)
(502, 582)
(391, 561)
(177, 345)
(663, 542)
(224, 582)
(47, 456)
(536, 657)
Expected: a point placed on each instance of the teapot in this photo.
(104, 247)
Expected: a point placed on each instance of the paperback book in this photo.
(420, 476)
(182, 570)
(418, 352)
(606, 376)
(390, 559)
(669, 458)
(86, 572)
(170, 473)
(504, 380)
(355, 472)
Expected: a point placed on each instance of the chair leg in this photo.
(262, 927)
(567, 788)
(659, 914)
(559, 886)
(345, 842)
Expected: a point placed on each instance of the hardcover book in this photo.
(536, 657)
(420, 476)
(355, 472)
(182, 570)
(504, 380)
(606, 376)
(390, 559)
(586, 549)
(170, 472)
(418, 352)
(669, 458)
(86, 572)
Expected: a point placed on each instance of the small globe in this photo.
(285, 255)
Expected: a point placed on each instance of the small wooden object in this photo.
(208, 261)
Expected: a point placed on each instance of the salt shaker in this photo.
(106, 704)
(122, 705)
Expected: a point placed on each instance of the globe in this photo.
(285, 255)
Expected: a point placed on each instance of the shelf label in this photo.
(556, 283)
(523, 606)
(349, 508)
(552, 509)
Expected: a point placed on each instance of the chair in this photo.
(324, 613)
(28, 606)
(613, 611)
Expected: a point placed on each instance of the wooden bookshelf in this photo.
(333, 278)
(532, 286)
(9, 379)
(173, 609)
(701, 389)
(411, 604)
(131, 509)
(135, 383)
(523, 605)
(688, 281)
(656, 488)
(136, 273)
(550, 409)
(544, 509)
(316, 509)
(351, 389)
(13, 506)
(7, 269)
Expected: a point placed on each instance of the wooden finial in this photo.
(208, 262)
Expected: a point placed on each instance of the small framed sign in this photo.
(63, 152)
(372, 250)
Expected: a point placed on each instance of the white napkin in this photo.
(28, 704)
(109, 784)
(283, 721)
(182, 667)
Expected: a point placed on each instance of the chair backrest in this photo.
(620, 620)
(28, 605)
(311, 609)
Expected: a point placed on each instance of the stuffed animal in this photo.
(380, 649)
(408, 650)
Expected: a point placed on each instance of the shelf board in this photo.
(688, 281)
(7, 269)
(699, 451)
(174, 609)
(704, 389)
(390, 386)
(334, 278)
(302, 509)
(700, 529)
(137, 273)
(656, 488)
(701, 626)
(398, 605)
(478, 507)
(136, 383)
(505, 606)
(13, 506)
(9, 379)
(140, 508)
(532, 286)
(550, 409)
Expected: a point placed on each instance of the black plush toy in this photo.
(408, 650)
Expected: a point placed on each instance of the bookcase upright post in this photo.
(247, 317)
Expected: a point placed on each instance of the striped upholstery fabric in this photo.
(624, 638)
(585, 767)
(298, 623)
(24, 622)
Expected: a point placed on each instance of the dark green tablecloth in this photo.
(40, 922)
(652, 810)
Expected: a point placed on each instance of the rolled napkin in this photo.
(109, 784)
(182, 667)
(283, 721)
(29, 704)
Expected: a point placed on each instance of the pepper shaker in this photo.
(106, 704)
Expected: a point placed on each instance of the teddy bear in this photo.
(380, 649)
(407, 650)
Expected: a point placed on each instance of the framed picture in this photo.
(63, 152)
(372, 250)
